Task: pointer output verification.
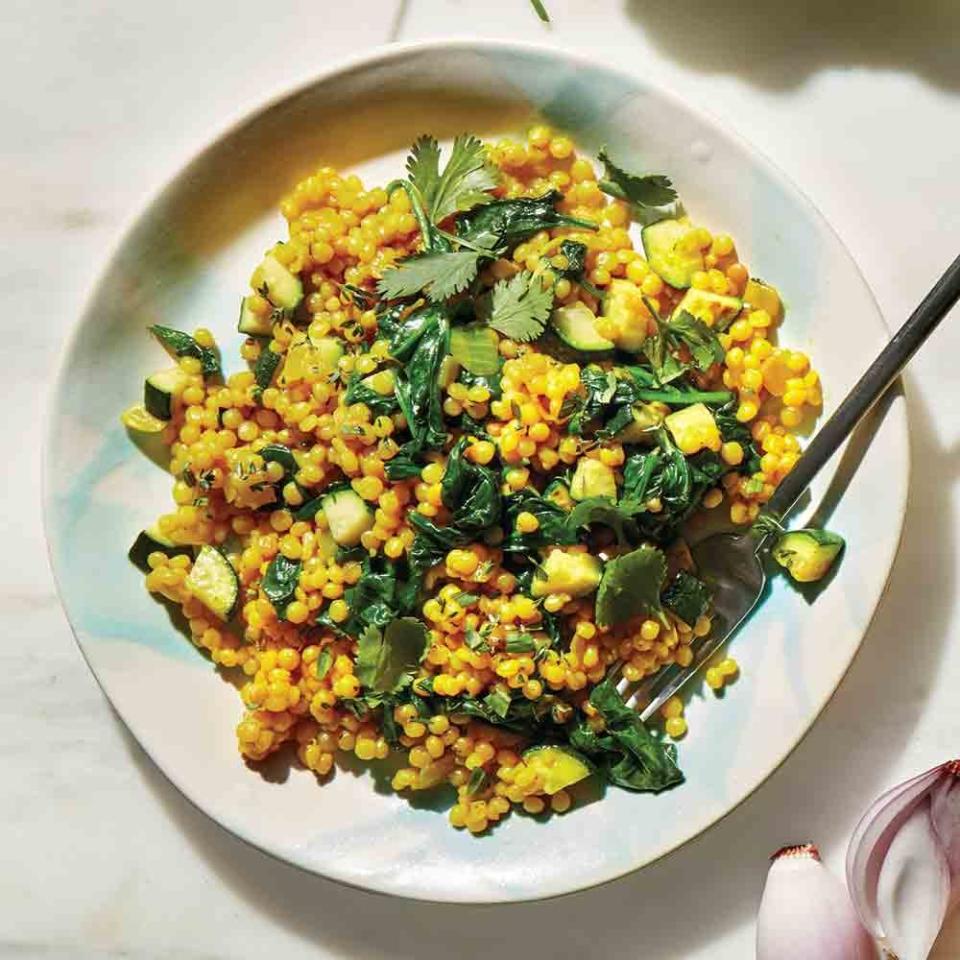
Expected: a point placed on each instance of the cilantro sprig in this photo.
(519, 307)
(648, 193)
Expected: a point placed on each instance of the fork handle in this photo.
(868, 390)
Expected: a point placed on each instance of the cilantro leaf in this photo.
(631, 586)
(463, 184)
(439, 275)
(702, 342)
(386, 661)
(519, 307)
(619, 517)
(650, 190)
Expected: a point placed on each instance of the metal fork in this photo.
(732, 563)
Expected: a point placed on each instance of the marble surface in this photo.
(103, 101)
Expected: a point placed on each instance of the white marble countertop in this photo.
(859, 103)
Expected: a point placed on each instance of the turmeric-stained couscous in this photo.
(448, 494)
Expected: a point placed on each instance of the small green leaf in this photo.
(280, 581)
(631, 586)
(477, 782)
(324, 663)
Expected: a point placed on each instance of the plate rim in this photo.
(381, 55)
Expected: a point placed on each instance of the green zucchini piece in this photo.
(282, 288)
(713, 309)
(666, 254)
(214, 582)
(160, 389)
(180, 344)
(558, 767)
(252, 324)
(150, 541)
(808, 555)
(575, 326)
(348, 516)
(138, 419)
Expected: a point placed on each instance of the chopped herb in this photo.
(498, 703)
(520, 643)
(324, 662)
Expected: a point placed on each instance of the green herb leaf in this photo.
(465, 181)
(504, 223)
(498, 703)
(520, 307)
(475, 641)
(474, 347)
(651, 190)
(465, 599)
(439, 275)
(702, 342)
(626, 751)
(386, 661)
(631, 586)
(687, 596)
(477, 782)
(620, 517)
(520, 643)
(324, 663)
(280, 581)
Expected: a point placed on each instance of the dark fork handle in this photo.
(868, 390)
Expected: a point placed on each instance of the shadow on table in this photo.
(780, 45)
(680, 905)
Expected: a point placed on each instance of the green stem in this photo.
(612, 189)
(426, 229)
(685, 397)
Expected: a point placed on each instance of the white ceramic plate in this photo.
(186, 261)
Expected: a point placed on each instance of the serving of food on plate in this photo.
(449, 495)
